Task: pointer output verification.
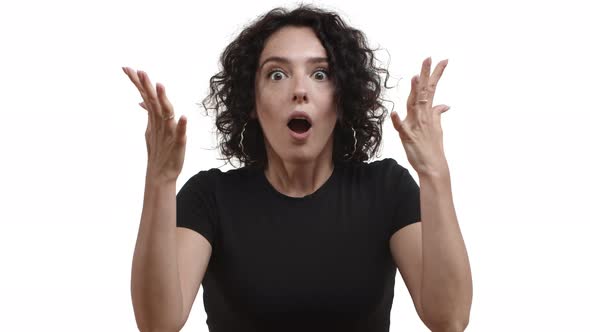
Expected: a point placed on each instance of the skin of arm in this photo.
(446, 287)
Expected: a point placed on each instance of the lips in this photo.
(299, 122)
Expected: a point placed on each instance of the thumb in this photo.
(397, 123)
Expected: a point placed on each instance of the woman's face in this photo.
(293, 75)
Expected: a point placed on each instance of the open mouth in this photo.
(299, 125)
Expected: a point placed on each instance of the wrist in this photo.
(158, 180)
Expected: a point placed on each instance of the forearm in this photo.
(446, 291)
(155, 284)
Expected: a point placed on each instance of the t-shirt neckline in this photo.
(315, 194)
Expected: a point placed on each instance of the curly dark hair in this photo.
(352, 67)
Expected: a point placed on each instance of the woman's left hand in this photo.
(421, 131)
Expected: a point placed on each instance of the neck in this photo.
(298, 179)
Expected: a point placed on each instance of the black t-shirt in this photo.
(316, 263)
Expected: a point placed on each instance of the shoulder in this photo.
(385, 167)
(385, 175)
(204, 177)
(384, 164)
(390, 169)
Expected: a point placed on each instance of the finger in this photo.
(152, 99)
(166, 106)
(135, 80)
(133, 76)
(413, 95)
(440, 109)
(181, 128)
(142, 104)
(436, 74)
(425, 73)
(423, 82)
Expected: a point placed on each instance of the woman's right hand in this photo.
(165, 139)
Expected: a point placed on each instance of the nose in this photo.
(300, 96)
(300, 91)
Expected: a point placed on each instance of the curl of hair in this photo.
(352, 67)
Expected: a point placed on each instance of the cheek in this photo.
(330, 119)
(267, 111)
(270, 103)
(270, 94)
(327, 119)
(326, 97)
(327, 102)
(273, 95)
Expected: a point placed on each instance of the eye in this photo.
(272, 73)
(324, 73)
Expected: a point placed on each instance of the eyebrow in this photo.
(285, 60)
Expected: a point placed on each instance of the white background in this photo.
(74, 156)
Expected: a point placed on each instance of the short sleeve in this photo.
(195, 205)
(407, 206)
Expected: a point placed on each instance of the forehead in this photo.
(296, 43)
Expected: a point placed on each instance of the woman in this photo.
(306, 236)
